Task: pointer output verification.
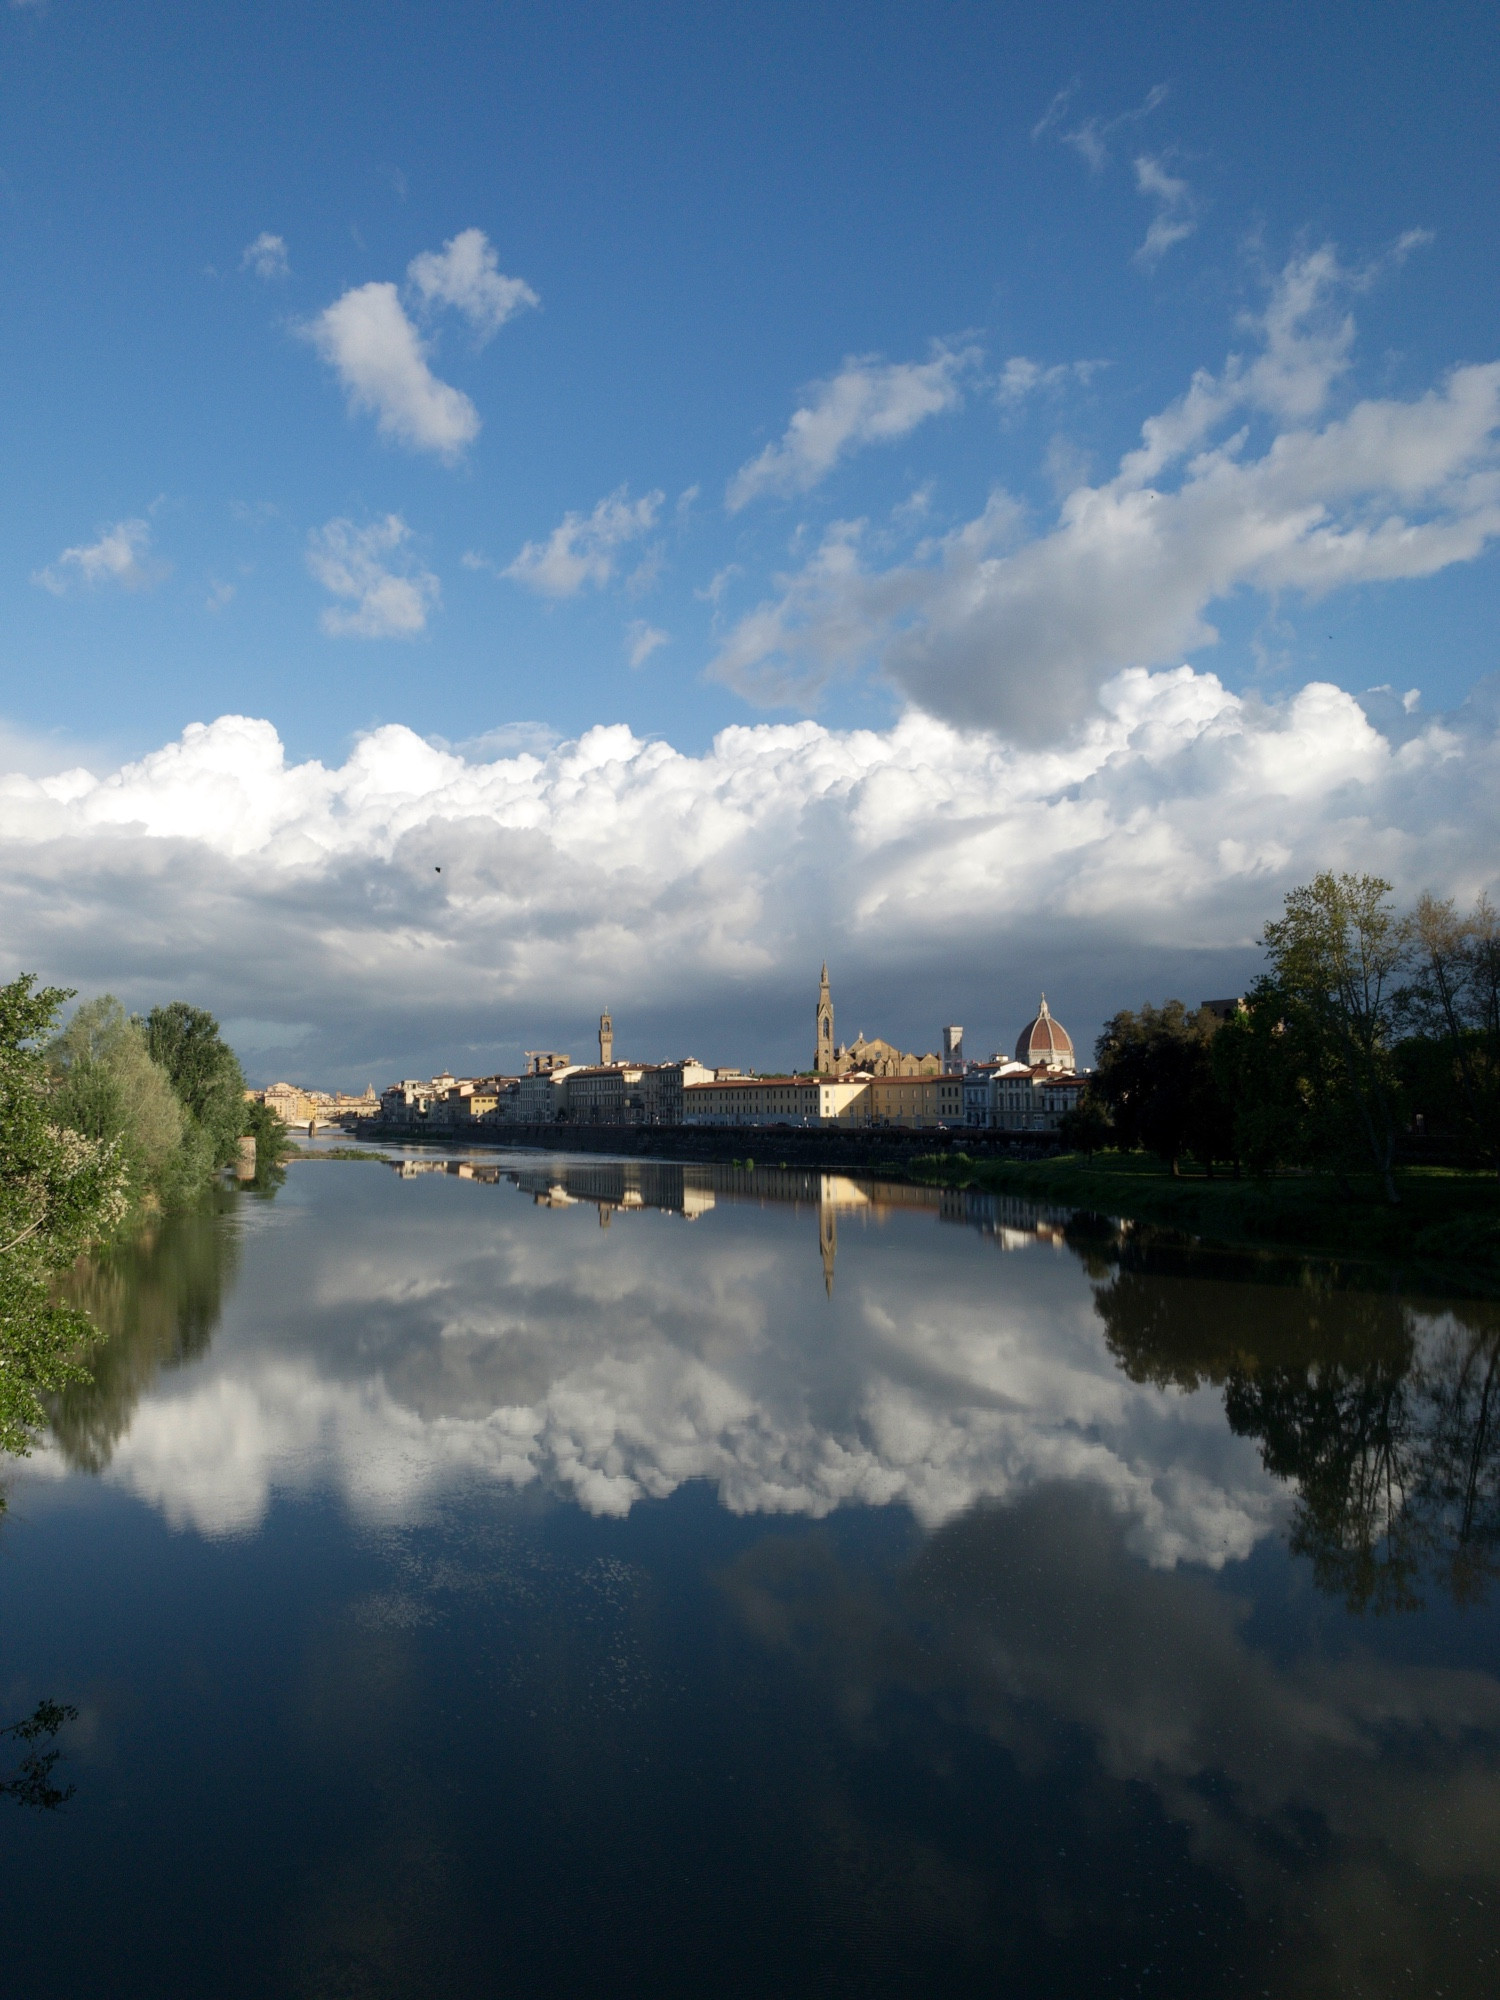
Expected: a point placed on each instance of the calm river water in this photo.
(565, 1577)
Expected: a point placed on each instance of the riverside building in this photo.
(775, 1100)
(864, 1083)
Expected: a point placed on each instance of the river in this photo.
(518, 1576)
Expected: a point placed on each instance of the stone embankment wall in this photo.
(775, 1145)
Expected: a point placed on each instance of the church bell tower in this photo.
(823, 1061)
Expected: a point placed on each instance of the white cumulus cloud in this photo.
(994, 627)
(385, 593)
(1152, 846)
(381, 360)
(266, 256)
(582, 548)
(869, 401)
(466, 274)
(118, 556)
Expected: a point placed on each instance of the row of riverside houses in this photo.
(859, 1084)
(295, 1106)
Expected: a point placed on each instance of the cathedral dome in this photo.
(1044, 1040)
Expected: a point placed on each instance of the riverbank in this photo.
(1444, 1233)
(1445, 1230)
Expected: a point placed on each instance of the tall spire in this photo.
(823, 1055)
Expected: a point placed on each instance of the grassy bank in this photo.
(1445, 1230)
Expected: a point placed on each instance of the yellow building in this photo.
(775, 1100)
(291, 1105)
(914, 1101)
(918, 1101)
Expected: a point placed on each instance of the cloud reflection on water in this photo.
(1352, 1801)
(1000, 1740)
(392, 1338)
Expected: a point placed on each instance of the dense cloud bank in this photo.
(944, 873)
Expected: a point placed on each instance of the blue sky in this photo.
(506, 397)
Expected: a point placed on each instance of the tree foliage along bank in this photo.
(166, 1090)
(1369, 1026)
(110, 1119)
(59, 1191)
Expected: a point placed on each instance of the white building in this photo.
(980, 1083)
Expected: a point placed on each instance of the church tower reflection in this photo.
(828, 1241)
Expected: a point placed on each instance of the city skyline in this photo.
(830, 1053)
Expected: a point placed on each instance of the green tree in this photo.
(109, 1089)
(273, 1145)
(1453, 1003)
(1155, 1077)
(1267, 1082)
(204, 1071)
(59, 1191)
(1336, 953)
(1086, 1128)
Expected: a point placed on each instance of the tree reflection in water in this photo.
(31, 1784)
(1171, 1797)
(1381, 1411)
(156, 1300)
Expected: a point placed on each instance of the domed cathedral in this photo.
(1044, 1043)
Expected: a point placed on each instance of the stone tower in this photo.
(823, 1060)
(606, 1038)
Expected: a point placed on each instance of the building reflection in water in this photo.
(691, 1189)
